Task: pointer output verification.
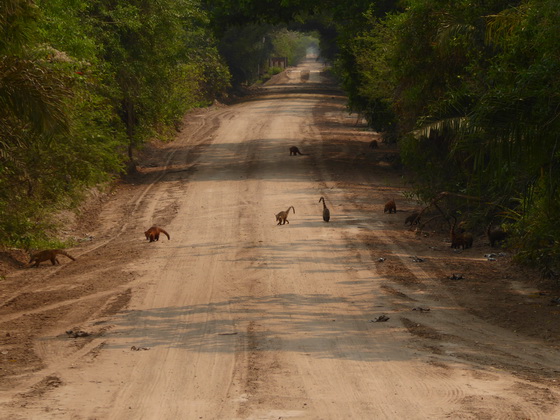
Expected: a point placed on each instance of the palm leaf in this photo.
(15, 16)
(503, 24)
(33, 94)
(448, 125)
(448, 33)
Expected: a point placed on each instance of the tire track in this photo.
(201, 130)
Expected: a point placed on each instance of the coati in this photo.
(462, 240)
(295, 151)
(373, 145)
(461, 227)
(390, 207)
(153, 233)
(49, 254)
(495, 235)
(413, 219)
(326, 212)
(282, 217)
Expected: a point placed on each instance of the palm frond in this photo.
(14, 18)
(453, 125)
(32, 93)
(449, 33)
(501, 25)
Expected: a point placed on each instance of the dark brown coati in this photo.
(49, 254)
(282, 217)
(496, 234)
(326, 212)
(295, 151)
(461, 227)
(413, 219)
(153, 233)
(374, 145)
(462, 240)
(390, 207)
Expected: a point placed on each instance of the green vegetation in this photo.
(468, 89)
(82, 85)
(247, 49)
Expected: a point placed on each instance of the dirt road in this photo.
(236, 317)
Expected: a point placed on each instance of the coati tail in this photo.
(326, 212)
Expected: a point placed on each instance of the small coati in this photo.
(413, 219)
(462, 240)
(282, 217)
(461, 227)
(374, 145)
(295, 151)
(153, 233)
(49, 254)
(326, 212)
(390, 207)
(495, 235)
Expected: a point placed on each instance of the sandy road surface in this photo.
(238, 318)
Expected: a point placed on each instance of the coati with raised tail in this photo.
(49, 254)
(462, 240)
(294, 150)
(495, 235)
(413, 219)
(390, 207)
(153, 233)
(326, 212)
(282, 217)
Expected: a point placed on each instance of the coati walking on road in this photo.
(390, 207)
(282, 217)
(413, 219)
(153, 233)
(295, 151)
(460, 240)
(49, 254)
(326, 212)
(496, 234)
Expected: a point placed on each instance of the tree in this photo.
(82, 83)
(32, 97)
(146, 48)
(472, 87)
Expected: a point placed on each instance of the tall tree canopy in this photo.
(82, 84)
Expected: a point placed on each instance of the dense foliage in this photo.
(248, 48)
(470, 89)
(82, 84)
